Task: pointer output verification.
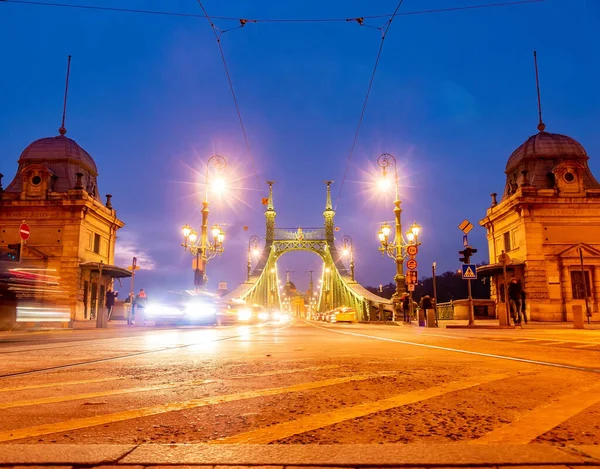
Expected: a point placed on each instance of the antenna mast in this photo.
(62, 131)
(541, 126)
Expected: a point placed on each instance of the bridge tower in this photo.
(267, 263)
(270, 216)
(329, 215)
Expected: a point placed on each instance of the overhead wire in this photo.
(265, 20)
(362, 112)
(384, 34)
(237, 107)
(219, 32)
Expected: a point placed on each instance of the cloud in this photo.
(127, 248)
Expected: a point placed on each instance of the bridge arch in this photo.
(337, 286)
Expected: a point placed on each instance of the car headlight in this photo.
(244, 314)
(159, 310)
(199, 310)
(263, 316)
(153, 309)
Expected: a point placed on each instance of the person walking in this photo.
(514, 297)
(129, 304)
(111, 296)
(141, 299)
(406, 307)
(523, 310)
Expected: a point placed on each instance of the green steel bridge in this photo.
(337, 286)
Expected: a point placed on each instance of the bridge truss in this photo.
(337, 287)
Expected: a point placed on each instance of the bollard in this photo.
(578, 316)
(139, 317)
(430, 317)
(421, 316)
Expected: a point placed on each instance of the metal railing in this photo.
(445, 311)
(299, 234)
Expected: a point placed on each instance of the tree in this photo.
(449, 286)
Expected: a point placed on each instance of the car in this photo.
(233, 312)
(180, 308)
(345, 314)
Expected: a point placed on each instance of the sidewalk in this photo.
(280, 456)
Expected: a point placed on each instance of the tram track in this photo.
(462, 351)
(130, 355)
(76, 342)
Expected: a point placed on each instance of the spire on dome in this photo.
(62, 130)
(328, 205)
(270, 205)
(541, 126)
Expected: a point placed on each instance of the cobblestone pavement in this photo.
(304, 393)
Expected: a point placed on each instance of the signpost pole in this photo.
(24, 233)
(471, 309)
(507, 306)
(433, 266)
(131, 294)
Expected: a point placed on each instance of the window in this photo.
(507, 243)
(577, 285)
(97, 243)
(36, 180)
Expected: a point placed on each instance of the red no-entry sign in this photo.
(24, 231)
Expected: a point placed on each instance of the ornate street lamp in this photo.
(396, 249)
(199, 246)
(348, 252)
(252, 251)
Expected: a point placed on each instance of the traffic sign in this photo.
(469, 272)
(24, 231)
(504, 258)
(412, 250)
(411, 264)
(465, 241)
(411, 287)
(411, 277)
(133, 267)
(465, 226)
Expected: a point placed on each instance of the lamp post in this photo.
(199, 246)
(252, 251)
(348, 251)
(397, 248)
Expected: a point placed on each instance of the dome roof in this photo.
(50, 149)
(64, 159)
(545, 145)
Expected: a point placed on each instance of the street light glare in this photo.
(218, 185)
(384, 184)
(415, 229)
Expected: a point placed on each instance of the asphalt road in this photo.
(301, 383)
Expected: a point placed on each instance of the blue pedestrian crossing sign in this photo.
(469, 272)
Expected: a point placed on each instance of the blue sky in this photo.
(453, 96)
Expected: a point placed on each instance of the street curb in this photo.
(384, 323)
(388, 455)
(459, 326)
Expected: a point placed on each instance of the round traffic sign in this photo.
(24, 231)
(411, 264)
(412, 250)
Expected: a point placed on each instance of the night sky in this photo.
(454, 94)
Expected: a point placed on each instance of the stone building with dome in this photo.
(547, 222)
(73, 232)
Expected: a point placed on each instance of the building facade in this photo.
(72, 231)
(548, 225)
